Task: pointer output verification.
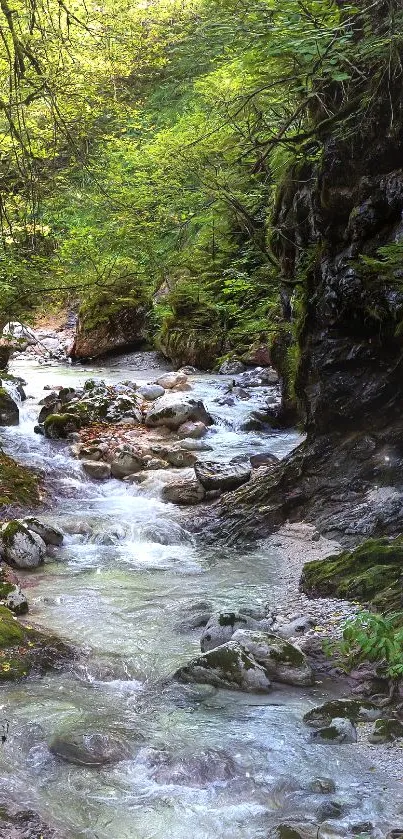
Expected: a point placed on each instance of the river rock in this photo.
(231, 368)
(172, 412)
(223, 477)
(192, 445)
(187, 491)
(322, 786)
(50, 534)
(9, 411)
(97, 469)
(89, 749)
(174, 381)
(126, 462)
(295, 829)
(355, 710)
(22, 547)
(221, 627)
(340, 730)
(193, 430)
(58, 426)
(175, 455)
(263, 459)
(281, 660)
(299, 626)
(228, 666)
(258, 377)
(151, 392)
(197, 770)
(386, 731)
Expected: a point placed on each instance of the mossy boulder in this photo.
(58, 426)
(108, 324)
(19, 486)
(228, 666)
(338, 731)
(89, 748)
(282, 661)
(355, 710)
(386, 731)
(21, 547)
(9, 411)
(10, 592)
(372, 574)
(25, 650)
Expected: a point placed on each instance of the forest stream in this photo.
(200, 762)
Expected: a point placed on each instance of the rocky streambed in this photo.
(179, 707)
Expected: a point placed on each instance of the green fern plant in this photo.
(376, 638)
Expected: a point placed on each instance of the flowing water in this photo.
(204, 764)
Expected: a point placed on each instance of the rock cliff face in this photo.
(348, 475)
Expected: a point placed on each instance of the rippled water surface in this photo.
(203, 764)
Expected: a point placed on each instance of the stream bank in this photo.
(197, 761)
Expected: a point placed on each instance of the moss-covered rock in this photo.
(372, 574)
(19, 486)
(355, 710)
(25, 650)
(58, 426)
(229, 666)
(281, 660)
(108, 324)
(22, 547)
(386, 730)
(9, 411)
(10, 592)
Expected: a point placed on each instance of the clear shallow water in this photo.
(204, 763)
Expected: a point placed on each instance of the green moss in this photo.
(11, 632)
(11, 530)
(350, 709)
(387, 730)
(18, 485)
(23, 648)
(372, 574)
(59, 425)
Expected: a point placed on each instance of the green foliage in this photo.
(144, 145)
(378, 638)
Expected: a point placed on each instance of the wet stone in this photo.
(89, 749)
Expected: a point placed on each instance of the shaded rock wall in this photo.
(348, 475)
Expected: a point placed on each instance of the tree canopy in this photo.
(142, 145)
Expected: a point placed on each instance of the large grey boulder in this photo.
(228, 666)
(9, 411)
(21, 547)
(221, 627)
(281, 660)
(89, 749)
(187, 492)
(222, 476)
(50, 534)
(172, 411)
